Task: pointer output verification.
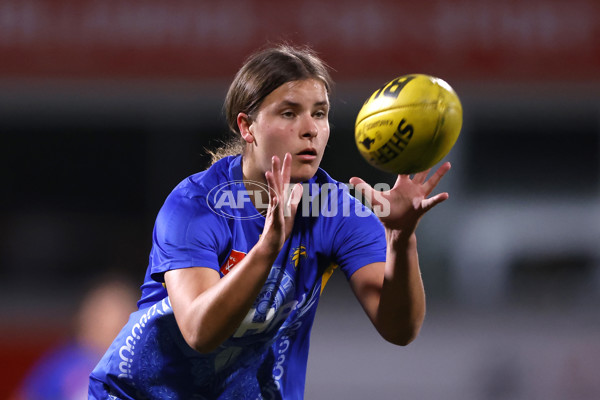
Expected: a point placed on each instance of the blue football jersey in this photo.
(208, 221)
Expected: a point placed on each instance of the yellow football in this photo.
(409, 124)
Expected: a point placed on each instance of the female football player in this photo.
(241, 251)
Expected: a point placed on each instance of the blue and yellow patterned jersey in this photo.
(208, 221)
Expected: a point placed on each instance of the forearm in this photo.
(401, 308)
(209, 309)
(209, 318)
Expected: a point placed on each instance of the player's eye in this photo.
(320, 114)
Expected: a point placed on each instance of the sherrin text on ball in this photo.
(409, 124)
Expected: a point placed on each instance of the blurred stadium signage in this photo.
(195, 39)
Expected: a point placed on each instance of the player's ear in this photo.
(244, 123)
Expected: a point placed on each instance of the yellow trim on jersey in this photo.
(327, 274)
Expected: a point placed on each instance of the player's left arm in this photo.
(392, 293)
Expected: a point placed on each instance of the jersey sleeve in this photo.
(186, 234)
(358, 239)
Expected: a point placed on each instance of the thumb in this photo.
(363, 191)
(356, 181)
(428, 204)
(360, 185)
(293, 200)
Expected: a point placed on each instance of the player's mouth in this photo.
(307, 154)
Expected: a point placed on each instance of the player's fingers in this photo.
(420, 177)
(360, 185)
(435, 178)
(273, 195)
(433, 201)
(286, 168)
(276, 170)
(296, 194)
(362, 190)
(293, 200)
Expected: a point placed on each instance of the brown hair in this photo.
(262, 73)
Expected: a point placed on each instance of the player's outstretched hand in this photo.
(283, 202)
(402, 207)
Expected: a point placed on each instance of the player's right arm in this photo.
(208, 309)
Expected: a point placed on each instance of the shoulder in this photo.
(200, 183)
(189, 203)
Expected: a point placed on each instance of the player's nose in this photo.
(309, 127)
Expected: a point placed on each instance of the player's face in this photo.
(293, 118)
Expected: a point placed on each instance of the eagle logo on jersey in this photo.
(300, 251)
